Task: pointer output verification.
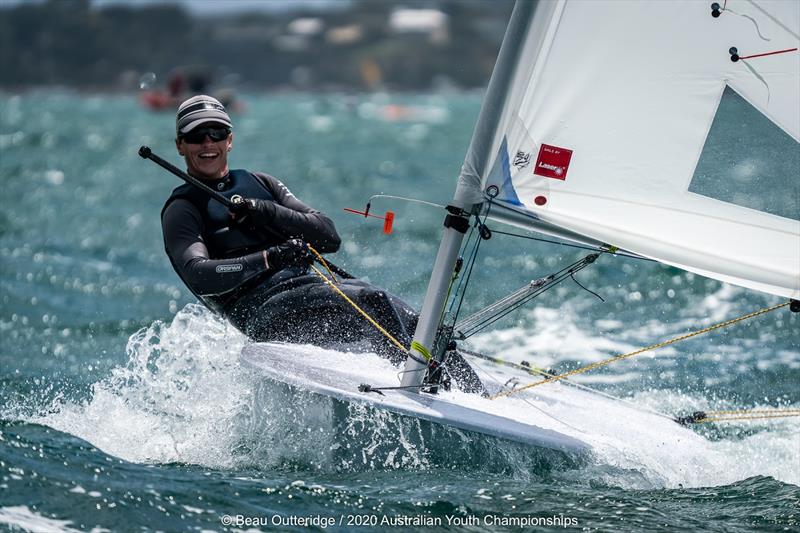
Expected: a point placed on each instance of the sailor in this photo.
(252, 266)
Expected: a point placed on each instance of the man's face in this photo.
(205, 157)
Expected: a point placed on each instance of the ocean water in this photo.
(123, 405)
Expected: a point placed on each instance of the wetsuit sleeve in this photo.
(182, 226)
(293, 218)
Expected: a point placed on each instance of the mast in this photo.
(468, 195)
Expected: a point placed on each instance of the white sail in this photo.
(629, 123)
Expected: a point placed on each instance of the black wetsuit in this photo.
(220, 261)
(223, 265)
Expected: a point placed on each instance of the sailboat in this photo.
(665, 130)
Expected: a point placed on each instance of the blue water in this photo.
(124, 406)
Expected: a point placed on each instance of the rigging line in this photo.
(545, 413)
(555, 279)
(502, 314)
(572, 275)
(577, 265)
(461, 278)
(444, 369)
(453, 279)
(580, 246)
(743, 417)
(363, 313)
(539, 371)
(332, 284)
(605, 362)
(489, 321)
(414, 200)
(702, 417)
(422, 369)
(465, 279)
(752, 411)
(502, 304)
(472, 259)
(324, 263)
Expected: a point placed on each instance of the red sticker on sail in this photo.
(553, 162)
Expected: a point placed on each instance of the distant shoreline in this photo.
(105, 91)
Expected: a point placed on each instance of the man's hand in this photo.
(253, 211)
(291, 253)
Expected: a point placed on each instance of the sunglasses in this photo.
(199, 135)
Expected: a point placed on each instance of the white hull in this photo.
(554, 417)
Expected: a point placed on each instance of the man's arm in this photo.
(182, 227)
(293, 218)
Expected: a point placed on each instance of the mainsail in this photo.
(630, 123)
(668, 129)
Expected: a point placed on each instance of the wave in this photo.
(184, 398)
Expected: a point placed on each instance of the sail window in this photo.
(747, 160)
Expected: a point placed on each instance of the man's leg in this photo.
(308, 311)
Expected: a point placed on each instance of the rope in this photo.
(726, 419)
(538, 371)
(331, 283)
(751, 411)
(605, 362)
(357, 308)
(613, 250)
(746, 414)
(323, 262)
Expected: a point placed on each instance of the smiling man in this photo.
(252, 266)
(219, 256)
(205, 141)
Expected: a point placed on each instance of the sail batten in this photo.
(633, 124)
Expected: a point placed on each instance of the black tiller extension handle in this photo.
(146, 153)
